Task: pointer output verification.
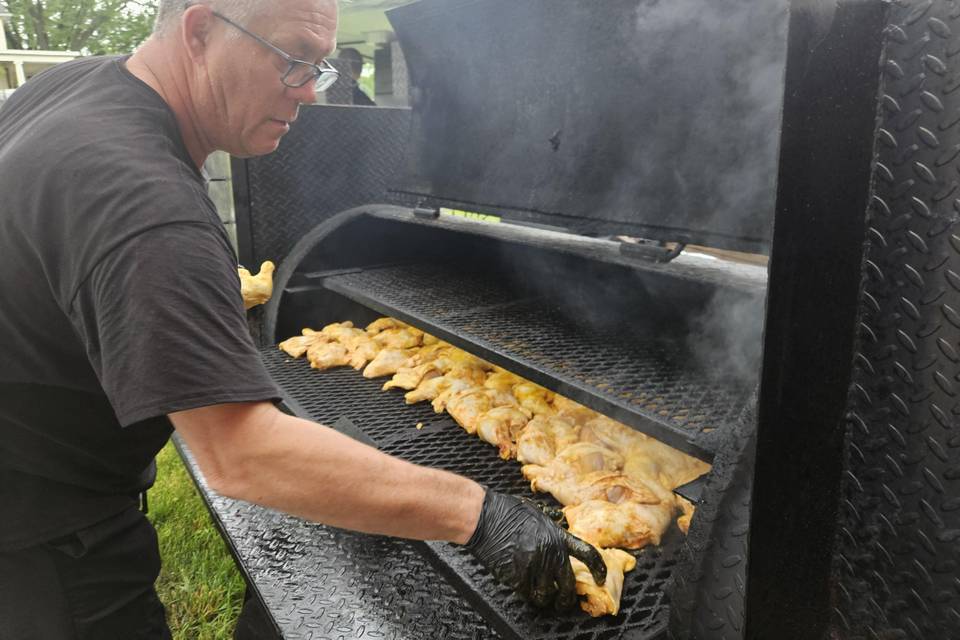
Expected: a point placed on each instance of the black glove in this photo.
(527, 552)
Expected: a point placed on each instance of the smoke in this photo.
(726, 339)
(713, 74)
(661, 113)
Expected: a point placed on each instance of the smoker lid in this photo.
(658, 118)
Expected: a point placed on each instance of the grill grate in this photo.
(343, 393)
(648, 383)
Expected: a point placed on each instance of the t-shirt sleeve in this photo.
(164, 327)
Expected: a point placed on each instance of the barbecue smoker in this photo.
(824, 134)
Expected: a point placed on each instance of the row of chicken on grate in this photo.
(615, 484)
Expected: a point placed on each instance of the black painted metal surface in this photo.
(824, 188)
(343, 393)
(320, 582)
(659, 118)
(650, 381)
(898, 558)
(334, 158)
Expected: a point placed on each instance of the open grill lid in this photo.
(658, 118)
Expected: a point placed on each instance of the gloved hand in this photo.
(527, 552)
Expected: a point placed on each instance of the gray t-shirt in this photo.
(119, 297)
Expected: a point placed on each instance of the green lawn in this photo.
(199, 583)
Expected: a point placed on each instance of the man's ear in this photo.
(197, 21)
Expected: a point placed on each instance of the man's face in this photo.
(253, 107)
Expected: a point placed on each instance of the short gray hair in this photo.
(241, 11)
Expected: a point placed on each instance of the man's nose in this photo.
(306, 94)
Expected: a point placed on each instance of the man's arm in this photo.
(255, 452)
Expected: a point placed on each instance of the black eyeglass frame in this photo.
(325, 75)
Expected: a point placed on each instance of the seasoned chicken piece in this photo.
(256, 289)
(387, 362)
(455, 381)
(610, 486)
(453, 358)
(468, 405)
(564, 405)
(571, 410)
(628, 525)
(427, 390)
(500, 427)
(429, 353)
(340, 330)
(399, 338)
(326, 355)
(606, 599)
(651, 459)
(567, 470)
(380, 324)
(583, 458)
(411, 377)
(502, 380)
(683, 522)
(362, 350)
(543, 436)
(611, 434)
(298, 345)
(534, 398)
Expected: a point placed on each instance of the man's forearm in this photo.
(308, 470)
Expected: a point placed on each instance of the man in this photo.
(353, 61)
(122, 319)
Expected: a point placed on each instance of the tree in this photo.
(88, 26)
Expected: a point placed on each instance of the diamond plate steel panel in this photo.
(898, 551)
(333, 159)
(323, 583)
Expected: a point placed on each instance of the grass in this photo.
(199, 583)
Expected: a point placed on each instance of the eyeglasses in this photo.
(300, 72)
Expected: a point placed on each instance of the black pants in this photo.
(94, 584)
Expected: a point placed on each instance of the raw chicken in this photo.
(610, 486)
(387, 362)
(453, 358)
(574, 411)
(411, 377)
(454, 381)
(399, 338)
(628, 524)
(298, 345)
(534, 398)
(611, 434)
(256, 289)
(468, 405)
(326, 355)
(339, 330)
(427, 390)
(606, 599)
(380, 324)
(583, 458)
(500, 427)
(362, 349)
(540, 440)
(502, 380)
(651, 458)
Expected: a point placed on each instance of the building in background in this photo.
(19, 65)
(365, 28)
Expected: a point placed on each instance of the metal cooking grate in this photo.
(648, 383)
(343, 393)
